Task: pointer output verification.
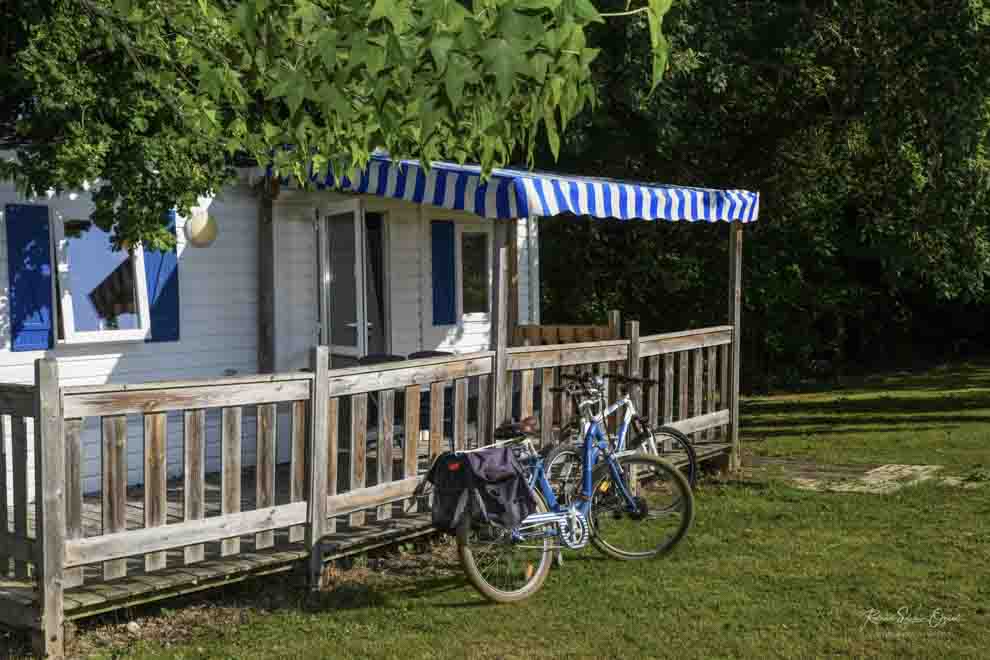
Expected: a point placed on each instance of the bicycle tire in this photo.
(609, 507)
(564, 468)
(476, 576)
(678, 443)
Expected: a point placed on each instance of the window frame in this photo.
(461, 228)
(62, 312)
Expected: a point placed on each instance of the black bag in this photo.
(489, 485)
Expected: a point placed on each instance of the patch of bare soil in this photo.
(873, 479)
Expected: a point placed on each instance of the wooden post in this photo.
(49, 488)
(266, 282)
(735, 312)
(501, 379)
(512, 311)
(633, 365)
(614, 324)
(316, 463)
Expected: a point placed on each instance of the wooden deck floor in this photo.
(18, 597)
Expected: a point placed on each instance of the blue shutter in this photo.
(29, 264)
(162, 272)
(444, 285)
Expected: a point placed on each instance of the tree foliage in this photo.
(866, 127)
(156, 99)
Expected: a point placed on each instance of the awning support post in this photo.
(735, 313)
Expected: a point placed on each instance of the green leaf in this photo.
(586, 10)
(457, 73)
(327, 45)
(375, 60)
(553, 137)
(655, 13)
(440, 45)
(504, 60)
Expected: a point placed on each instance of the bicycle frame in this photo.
(630, 412)
(596, 445)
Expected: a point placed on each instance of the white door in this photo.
(343, 307)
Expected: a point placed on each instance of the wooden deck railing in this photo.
(401, 398)
(694, 365)
(358, 439)
(115, 543)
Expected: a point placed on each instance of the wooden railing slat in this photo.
(546, 407)
(723, 391)
(265, 474)
(668, 388)
(4, 505)
(539, 357)
(410, 431)
(460, 413)
(386, 438)
(113, 547)
(682, 385)
(194, 489)
(73, 491)
(362, 498)
(343, 382)
(653, 393)
(675, 342)
(710, 385)
(359, 450)
(19, 458)
(155, 481)
(153, 399)
(230, 486)
(698, 393)
(484, 412)
(297, 464)
(695, 424)
(114, 486)
(436, 419)
(526, 394)
(333, 457)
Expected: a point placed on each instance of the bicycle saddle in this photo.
(526, 426)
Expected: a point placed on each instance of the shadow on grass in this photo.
(919, 378)
(876, 404)
(758, 432)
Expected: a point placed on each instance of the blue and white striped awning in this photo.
(518, 194)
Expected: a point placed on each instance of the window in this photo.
(461, 278)
(102, 293)
(474, 273)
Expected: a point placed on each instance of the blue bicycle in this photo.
(631, 505)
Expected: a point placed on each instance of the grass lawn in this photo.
(767, 570)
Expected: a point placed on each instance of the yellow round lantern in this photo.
(201, 229)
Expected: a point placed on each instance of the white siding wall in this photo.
(296, 310)
(218, 329)
(404, 236)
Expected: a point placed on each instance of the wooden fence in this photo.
(359, 440)
(693, 364)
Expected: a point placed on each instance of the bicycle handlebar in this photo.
(586, 377)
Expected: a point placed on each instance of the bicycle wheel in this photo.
(564, 470)
(669, 444)
(662, 512)
(504, 569)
